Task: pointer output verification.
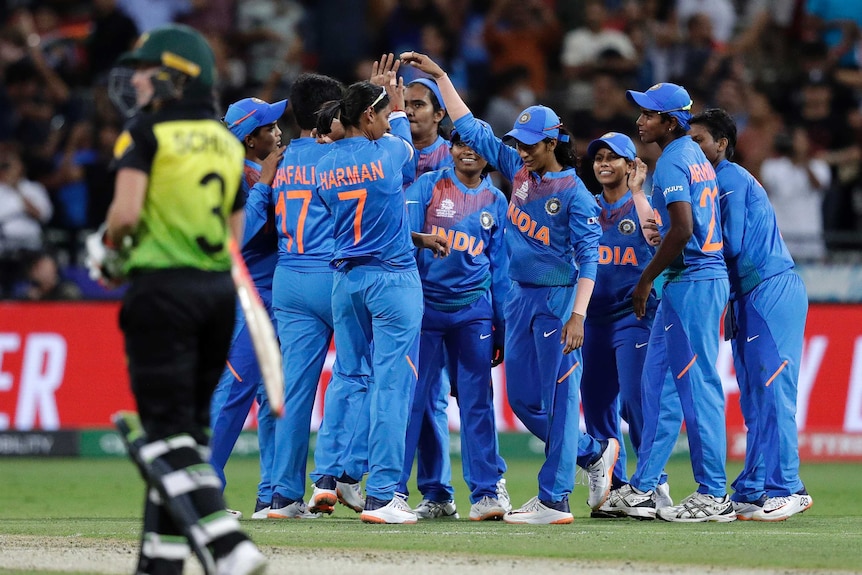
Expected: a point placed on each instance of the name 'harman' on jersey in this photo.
(552, 222)
(194, 165)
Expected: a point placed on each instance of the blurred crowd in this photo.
(789, 71)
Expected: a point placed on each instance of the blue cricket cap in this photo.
(666, 98)
(245, 116)
(431, 85)
(535, 124)
(620, 144)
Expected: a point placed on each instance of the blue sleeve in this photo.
(402, 154)
(418, 195)
(499, 258)
(479, 136)
(256, 210)
(400, 126)
(585, 231)
(733, 192)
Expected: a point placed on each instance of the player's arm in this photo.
(646, 216)
(671, 246)
(125, 210)
(585, 231)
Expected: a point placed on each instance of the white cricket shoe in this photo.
(428, 509)
(745, 510)
(534, 512)
(662, 496)
(281, 509)
(780, 508)
(322, 500)
(631, 502)
(244, 559)
(350, 495)
(601, 473)
(234, 513)
(503, 495)
(700, 508)
(486, 509)
(396, 511)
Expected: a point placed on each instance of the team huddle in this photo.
(373, 229)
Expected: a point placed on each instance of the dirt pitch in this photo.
(77, 554)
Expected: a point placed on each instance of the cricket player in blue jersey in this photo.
(765, 324)
(552, 234)
(684, 337)
(425, 112)
(300, 298)
(376, 293)
(615, 341)
(462, 329)
(254, 123)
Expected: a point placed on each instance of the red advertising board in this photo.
(62, 367)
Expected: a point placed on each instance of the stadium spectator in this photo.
(45, 283)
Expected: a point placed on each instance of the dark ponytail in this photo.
(565, 150)
(356, 100)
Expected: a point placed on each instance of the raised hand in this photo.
(422, 62)
(381, 68)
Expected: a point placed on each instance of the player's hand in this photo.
(651, 232)
(640, 295)
(437, 244)
(395, 91)
(422, 62)
(572, 336)
(104, 262)
(637, 176)
(380, 69)
(269, 165)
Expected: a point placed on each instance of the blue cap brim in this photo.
(528, 137)
(643, 100)
(596, 145)
(274, 112)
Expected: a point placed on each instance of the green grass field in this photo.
(101, 499)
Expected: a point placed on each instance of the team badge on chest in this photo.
(552, 206)
(626, 227)
(486, 220)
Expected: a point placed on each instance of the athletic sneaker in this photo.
(630, 501)
(284, 508)
(428, 509)
(780, 508)
(234, 513)
(537, 512)
(486, 508)
(322, 500)
(745, 509)
(601, 473)
(662, 496)
(244, 559)
(261, 509)
(394, 511)
(350, 495)
(700, 508)
(503, 495)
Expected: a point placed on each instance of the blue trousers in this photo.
(462, 342)
(372, 304)
(614, 354)
(433, 467)
(302, 303)
(767, 349)
(684, 343)
(542, 383)
(237, 388)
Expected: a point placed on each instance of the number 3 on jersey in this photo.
(360, 196)
(281, 213)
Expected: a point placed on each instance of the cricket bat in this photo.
(260, 328)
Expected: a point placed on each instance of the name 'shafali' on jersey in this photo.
(528, 225)
(460, 241)
(351, 175)
(617, 255)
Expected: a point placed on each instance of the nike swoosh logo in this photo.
(640, 345)
(667, 327)
(412, 201)
(752, 338)
(549, 333)
(726, 194)
(485, 336)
